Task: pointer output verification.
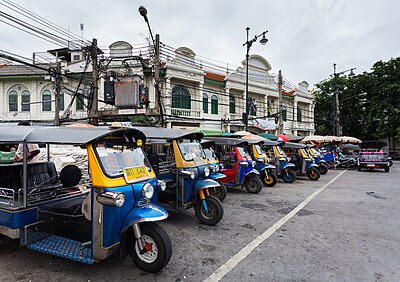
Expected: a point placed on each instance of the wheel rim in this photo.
(252, 184)
(268, 179)
(212, 211)
(152, 251)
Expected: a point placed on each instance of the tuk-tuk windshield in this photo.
(281, 151)
(210, 155)
(192, 151)
(314, 151)
(260, 150)
(114, 161)
(243, 152)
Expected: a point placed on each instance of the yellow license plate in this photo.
(135, 174)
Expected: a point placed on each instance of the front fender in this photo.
(144, 214)
(217, 175)
(268, 166)
(288, 165)
(253, 171)
(205, 183)
(322, 161)
(313, 165)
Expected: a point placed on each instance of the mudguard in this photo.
(216, 175)
(313, 165)
(205, 183)
(147, 213)
(268, 166)
(253, 171)
(287, 165)
(322, 161)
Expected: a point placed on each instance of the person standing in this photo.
(33, 149)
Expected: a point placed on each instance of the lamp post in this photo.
(336, 110)
(248, 45)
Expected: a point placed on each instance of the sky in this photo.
(306, 37)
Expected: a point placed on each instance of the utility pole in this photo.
(280, 83)
(94, 104)
(57, 93)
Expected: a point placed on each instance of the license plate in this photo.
(135, 174)
(371, 165)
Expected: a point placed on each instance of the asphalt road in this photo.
(348, 231)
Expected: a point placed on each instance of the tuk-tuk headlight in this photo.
(217, 168)
(111, 199)
(162, 185)
(207, 172)
(147, 191)
(253, 163)
(192, 175)
(244, 164)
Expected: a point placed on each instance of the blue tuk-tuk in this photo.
(87, 221)
(283, 167)
(318, 158)
(238, 166)
(180, 161)
(303, 162)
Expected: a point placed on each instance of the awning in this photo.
(269, 136)
(265, 124)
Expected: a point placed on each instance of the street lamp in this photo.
(248, 44)
(336, 110)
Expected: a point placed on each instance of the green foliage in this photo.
(375, 114)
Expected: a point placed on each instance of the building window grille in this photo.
(46, 104)
(205, 103)
(80, 100)
(13, 101)
(253, 106)
(214, 105)
(25, 100)
(284, 113)
(232, 104)
(181, 97)
(299, 117)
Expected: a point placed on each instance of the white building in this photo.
(193, 95)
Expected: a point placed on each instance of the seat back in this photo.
(41, 174)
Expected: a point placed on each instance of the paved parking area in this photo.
(347, 232)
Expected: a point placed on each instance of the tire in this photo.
(215, 211)
(219, 191)
(323, 169)
(268, 179)
(352, 166)
(160, 254)
(289, 176)
(387, 169)
(359, 168)
(253, 184)
(390, 162)
(313, 174)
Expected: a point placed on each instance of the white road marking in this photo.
(243, 253)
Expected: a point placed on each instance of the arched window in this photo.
(205, 103)
(214, 105)
(298, 114)
(13, 101)
(181, 97)
(232, 104)
(46, 96)
(25, 100)
(284, 113)
(80, 100)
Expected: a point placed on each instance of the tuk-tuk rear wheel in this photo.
(313, 174)
(219, 191)
(215, 211)
(289, 176)
(269, 179)
(252, 184)
(323, 169)
(157, 245)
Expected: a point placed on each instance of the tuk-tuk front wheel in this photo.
(214, 213)
(252, 184)
(313, 174)
(288, 176)
(219, 191)
(157, 248)
(269, 179)
(323, 169)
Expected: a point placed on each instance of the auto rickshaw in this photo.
(238, 166)
(280, 160)
(215, 166)
(318, 159)
(266, 170)
(59, 214)
(304, 164)
(180, 161)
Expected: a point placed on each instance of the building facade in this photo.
(193, 94)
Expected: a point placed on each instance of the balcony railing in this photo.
(185, 112)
